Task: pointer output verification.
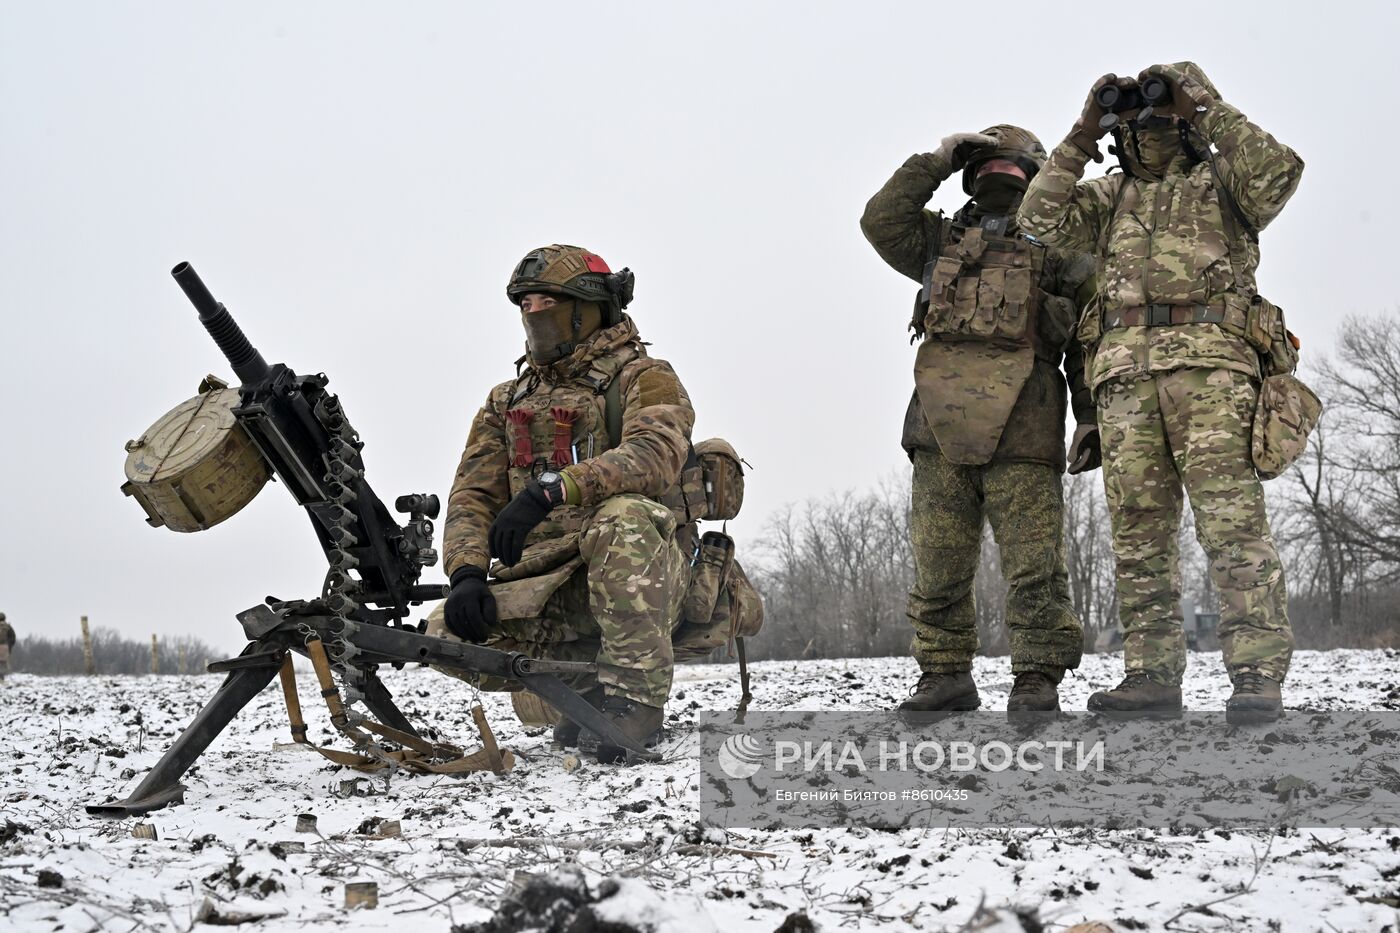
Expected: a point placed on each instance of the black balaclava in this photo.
(996, 193)
(553, 333)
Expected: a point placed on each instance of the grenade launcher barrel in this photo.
(248, 364)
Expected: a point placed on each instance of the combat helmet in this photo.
(558, 269)
(1014, 144)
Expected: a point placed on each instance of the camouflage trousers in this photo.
(1190, 428)
(1025, 504)
(618, 610)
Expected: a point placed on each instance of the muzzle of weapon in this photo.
(248, 364)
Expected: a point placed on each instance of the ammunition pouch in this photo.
(984, 288)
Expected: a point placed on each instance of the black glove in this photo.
(516, 521)
(1086, 450)
(470, 609)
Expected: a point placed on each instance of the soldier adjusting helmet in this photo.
(1014, 144)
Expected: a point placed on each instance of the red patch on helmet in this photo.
(595, 263)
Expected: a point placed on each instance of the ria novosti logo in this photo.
(741, 756)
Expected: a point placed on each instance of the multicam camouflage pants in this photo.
(618, 610)
(1191, 428)
(1025, 504)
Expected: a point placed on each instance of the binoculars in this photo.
(1135, 97)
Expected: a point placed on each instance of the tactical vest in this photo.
(982, 284)
(982, 331)
(552, 425)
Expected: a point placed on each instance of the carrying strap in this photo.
(612, 411)
(417, 753)
(743, 682)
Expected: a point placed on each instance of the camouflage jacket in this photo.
(902, 231)
(555, 416)
(1168, 242)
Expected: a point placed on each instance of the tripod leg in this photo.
(162, 785)
(381, 703)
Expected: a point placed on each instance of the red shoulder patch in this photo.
(595, 263)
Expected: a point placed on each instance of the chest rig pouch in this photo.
(983, 284)
(979, 334)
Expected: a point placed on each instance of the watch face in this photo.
(549, 477)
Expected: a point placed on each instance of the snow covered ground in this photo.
(232, 848)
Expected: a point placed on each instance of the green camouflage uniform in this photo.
(1176, 400)
(603, 580)
(985, 431)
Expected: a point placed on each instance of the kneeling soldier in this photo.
(572, 479)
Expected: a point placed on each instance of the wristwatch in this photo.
(552, 485)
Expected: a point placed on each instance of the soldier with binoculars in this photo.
(1177, 339)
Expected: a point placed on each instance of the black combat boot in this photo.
(1033, 692)
(1138, 695)
(939, 693)
(1256, 699)
(566, 730)
(639, 722)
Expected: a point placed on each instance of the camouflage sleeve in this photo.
(656, 422)
(1075, 280)
(480, 490)
(1060, 209)
(1261, 172)
(895, 221)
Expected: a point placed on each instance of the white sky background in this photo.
(356, 182)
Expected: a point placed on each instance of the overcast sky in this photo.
(357, 181)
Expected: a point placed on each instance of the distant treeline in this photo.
(111, 654)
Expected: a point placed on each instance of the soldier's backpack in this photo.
(721, 607)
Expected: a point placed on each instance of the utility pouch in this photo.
(707, 576)
(1268, 334)
(745, 604)
(723, 471)
(1286, 414)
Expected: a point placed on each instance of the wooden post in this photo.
(88, 665)
(155, 656)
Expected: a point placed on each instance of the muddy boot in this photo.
(1033, 692)
(1138, 695)
(1256, 699)
(939, 693)
(566, 731)
(637, 721)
